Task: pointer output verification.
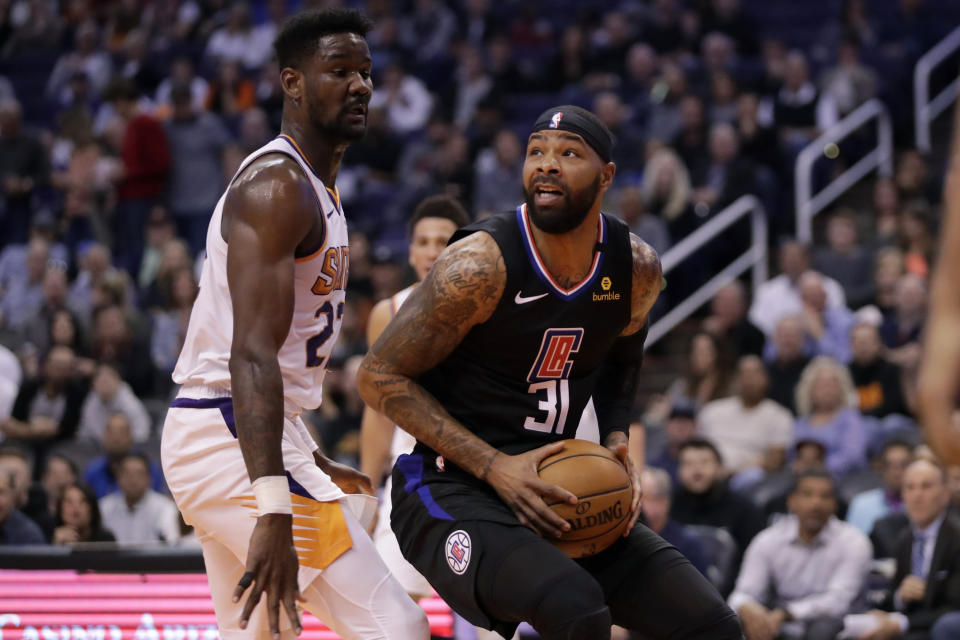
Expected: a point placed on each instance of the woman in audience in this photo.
(78, 517)
(826, 405)
(707, 378)
(58, 474)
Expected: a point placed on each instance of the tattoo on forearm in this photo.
(462, 289)
(486, 469)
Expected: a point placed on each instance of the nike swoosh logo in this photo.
(521, 300)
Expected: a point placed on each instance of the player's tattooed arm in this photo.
(461, 291)
(647, 283)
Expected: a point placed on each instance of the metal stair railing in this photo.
(754, 258)
(926, 109)
(809, 204)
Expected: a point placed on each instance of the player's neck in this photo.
(568, 256)
(324, 156)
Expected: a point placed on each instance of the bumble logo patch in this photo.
(606, 284)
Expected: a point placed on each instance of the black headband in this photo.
(578, 121)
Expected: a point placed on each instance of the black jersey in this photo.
(522, 378)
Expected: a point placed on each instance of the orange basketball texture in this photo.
(604, 491)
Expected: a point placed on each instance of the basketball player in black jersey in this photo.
(490, 363)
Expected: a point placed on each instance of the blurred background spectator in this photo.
(122, 122)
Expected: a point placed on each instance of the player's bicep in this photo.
(268, 211)
(647, 283)
(261, 290)
(461, 291)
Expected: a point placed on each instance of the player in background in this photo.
(938, 384)
(489, 363)
(271, 512)
(433, 221)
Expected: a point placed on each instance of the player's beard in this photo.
(337, 127)
(570, 215)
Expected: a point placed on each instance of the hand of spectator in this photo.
(906, 357)
(43, 427)
(912, 589)
(65, 535)
(887, 628)
(776, 618)
(706, 195)
(516, 481)
(658, 410)
(813, 322)
(757, 623)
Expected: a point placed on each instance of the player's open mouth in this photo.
(358, 112)
(545, 194)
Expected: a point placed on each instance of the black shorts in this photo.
(459, 535)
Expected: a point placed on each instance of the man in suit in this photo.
(926, 601)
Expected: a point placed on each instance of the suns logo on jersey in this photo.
(334, 271)
(553, 361)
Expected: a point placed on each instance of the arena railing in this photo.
(754, 258)
(926, 109)
(809, 204)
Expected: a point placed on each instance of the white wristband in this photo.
(273, 495)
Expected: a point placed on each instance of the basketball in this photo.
(603, 489)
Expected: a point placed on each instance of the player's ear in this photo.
(291, 80)
(606, 175)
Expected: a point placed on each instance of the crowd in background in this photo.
(122, 122)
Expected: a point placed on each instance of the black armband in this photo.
(616, 388)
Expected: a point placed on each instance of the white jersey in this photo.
(320, 281)
(402, 441)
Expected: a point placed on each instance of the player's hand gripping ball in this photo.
(604, 492)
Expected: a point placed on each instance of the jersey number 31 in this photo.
(550, 375)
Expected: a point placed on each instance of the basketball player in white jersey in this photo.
(433, 222)
(272, 513)
(938, 385)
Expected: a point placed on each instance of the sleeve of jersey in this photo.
(616, 388)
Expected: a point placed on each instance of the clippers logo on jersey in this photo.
(553, 360)
(458, 551)
(333, 272)
(555, 119)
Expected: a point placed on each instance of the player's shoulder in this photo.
(472, 268)
(644, 256)
(647, 272)
(273, 192)
(271, 176)
(477, 253)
